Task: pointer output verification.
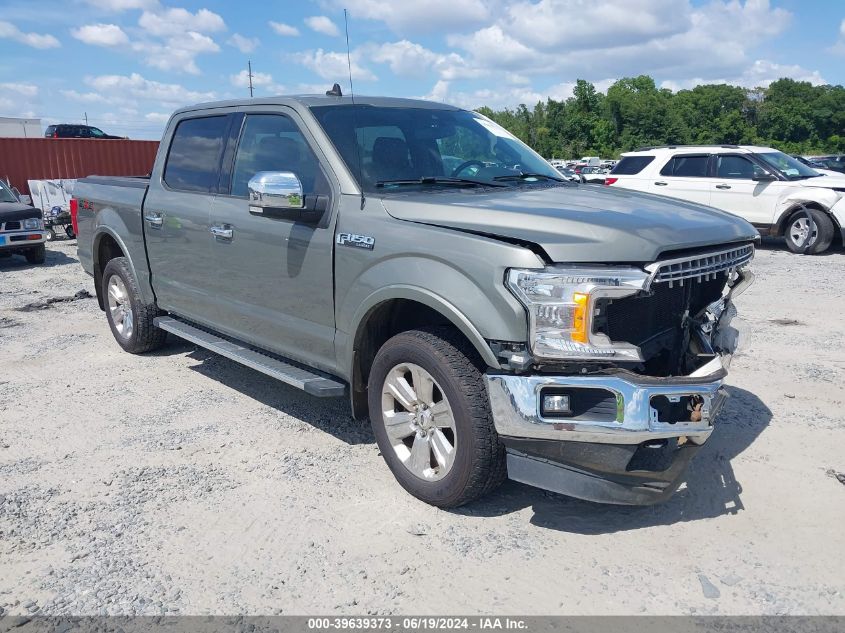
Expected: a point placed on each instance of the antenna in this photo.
(354, 125)
(249, 75)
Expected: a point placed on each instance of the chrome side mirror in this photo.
(274, 190)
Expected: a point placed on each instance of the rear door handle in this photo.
(222, 231)
(154, 218)
(723, 186)
(660, 183)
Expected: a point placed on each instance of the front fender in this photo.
(825, 199)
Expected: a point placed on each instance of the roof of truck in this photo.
(322, 100)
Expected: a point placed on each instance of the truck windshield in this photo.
(5, 194)
(396, 148)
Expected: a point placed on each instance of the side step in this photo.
(311, 382)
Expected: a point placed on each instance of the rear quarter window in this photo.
(686, 166)
(630, 165)
(194, 158)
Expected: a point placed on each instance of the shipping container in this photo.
(23, 159)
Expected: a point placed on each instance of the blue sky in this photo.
(129, 63)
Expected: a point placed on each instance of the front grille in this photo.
(703, 266)
(638, 318)
(11, 226)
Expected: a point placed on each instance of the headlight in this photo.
(33, 223)
(561, 303)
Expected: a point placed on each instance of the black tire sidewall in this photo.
(824, 231)
(118, 267)
(447, 490)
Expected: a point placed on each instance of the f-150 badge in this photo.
(356, 241)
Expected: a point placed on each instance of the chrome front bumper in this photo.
(22, 238)
(515, 403)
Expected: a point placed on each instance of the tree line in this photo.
(793, 116)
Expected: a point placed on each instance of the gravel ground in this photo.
(180, 482)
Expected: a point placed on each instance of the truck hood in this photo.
(576, 223)
(10, 211)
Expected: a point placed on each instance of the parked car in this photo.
(21, 228)
(808, 162)
(490, 319)
(833, 163)
(65, 130)
(593, 175)
(569, 174)
(779, 195)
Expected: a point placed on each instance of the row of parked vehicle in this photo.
(780, 195)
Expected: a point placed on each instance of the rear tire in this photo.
(797, 227)
(37, 255)
(451, 371)
(51, 233)
(130, 319)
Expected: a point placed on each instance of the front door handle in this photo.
(660, 183)
(222, 231)
(154, 218)
(723, 186)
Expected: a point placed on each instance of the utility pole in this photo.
(249, 74)
(86, 118)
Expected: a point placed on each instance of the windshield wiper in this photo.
(437, 180)
(526, 175)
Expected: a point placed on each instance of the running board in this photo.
(310, 382)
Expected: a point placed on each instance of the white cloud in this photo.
(322, 24)
(242, 43)
(421, 17)
(27, 90)
(35, 40)
(175, 21)
(408, 59)
(241, 80)
(759, 75)
(284, 29)
(122, 5)
(839, 47)
(157, 117)
(101, 35)
(83, 97)
(178, 53)
(333, 65)
(137, 87)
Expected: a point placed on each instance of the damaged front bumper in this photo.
(625, 438)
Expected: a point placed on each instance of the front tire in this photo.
(37, 255)
(130, 319)
(798, 231)
(431, 417)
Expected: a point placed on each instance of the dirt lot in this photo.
(180, 482)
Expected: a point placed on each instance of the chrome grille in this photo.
(700, 267)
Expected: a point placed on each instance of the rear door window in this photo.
(193, 162)
(691, 166)
(630, 165)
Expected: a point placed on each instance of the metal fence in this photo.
(23, 159)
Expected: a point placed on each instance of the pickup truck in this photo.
(21, 228)
(491, 319)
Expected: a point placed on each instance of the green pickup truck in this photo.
(491, 319)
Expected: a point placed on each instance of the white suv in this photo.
(776, 193)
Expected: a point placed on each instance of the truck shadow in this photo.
(54, 258)
(710, 489)
(326, 414)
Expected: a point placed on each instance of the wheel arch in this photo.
(107, 246)
(391, 311)
(780, 225)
